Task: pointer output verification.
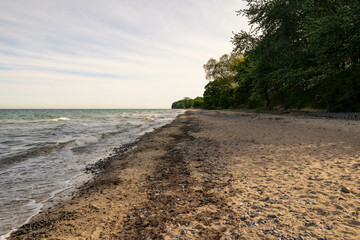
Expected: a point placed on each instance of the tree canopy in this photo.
(188, 103)
(298, 54)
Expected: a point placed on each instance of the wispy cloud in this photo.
(85, 53)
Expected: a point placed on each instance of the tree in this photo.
(188, 103)
(198, 102)
(298, 54)
(296, 47)
(221, 74)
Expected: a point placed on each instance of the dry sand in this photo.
(221, 175)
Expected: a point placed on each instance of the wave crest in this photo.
(86, 140)
(60, 119)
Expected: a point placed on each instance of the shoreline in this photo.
(187, 179)
(77, 182)
(56, 198)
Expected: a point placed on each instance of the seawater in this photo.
(41, 151)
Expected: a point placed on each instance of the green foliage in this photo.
(219, 92)
(198, 102)
(333, 32)
(298, 54)
(188, 103)
(341, 92)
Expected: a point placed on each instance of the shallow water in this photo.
(42, 150)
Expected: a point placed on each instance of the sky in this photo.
(110, 53)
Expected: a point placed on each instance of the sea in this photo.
(42, 151)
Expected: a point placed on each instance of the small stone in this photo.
(271, 216)
(345, 190)
(251, 224)
(243, 218)
(328, 227)
(253, 215)
(309, 223)
(227, 236)
(261, 221)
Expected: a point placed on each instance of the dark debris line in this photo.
(173, 201)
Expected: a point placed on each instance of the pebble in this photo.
(309, 223)
(227, 236)
(328, 227)
(261, 221)
(251, 224)
(243, 218)
(345, 190)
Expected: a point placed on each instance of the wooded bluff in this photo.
(299, 54)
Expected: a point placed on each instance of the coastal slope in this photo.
(220, 175)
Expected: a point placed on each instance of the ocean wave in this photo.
(86, 140)
(29, 121)
(107, 134)
(34, 152)
(60, 119)
(44, 166)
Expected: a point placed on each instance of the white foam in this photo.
(60, 119)
(3, 237)
(86, 140)
(87, 134)
(149, 119)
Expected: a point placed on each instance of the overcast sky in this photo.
(110, 53)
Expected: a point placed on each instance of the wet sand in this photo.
(220, 175)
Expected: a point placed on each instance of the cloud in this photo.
(118, 54)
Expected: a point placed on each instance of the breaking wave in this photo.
(60, 119)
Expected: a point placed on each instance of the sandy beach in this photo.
(220, 175)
